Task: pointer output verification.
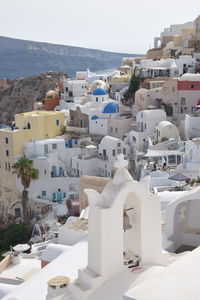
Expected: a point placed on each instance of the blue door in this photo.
(53, 169)
(60, 171)
(59, 197)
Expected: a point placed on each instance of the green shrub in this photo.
(12, 235)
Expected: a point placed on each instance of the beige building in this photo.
(169, 92)
(91, 182)
(78, 118)
(183, 38)
(119, 127)
(148, 98)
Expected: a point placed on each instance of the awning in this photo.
(157, 153)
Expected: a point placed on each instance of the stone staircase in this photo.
(82, 287)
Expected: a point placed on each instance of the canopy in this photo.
(179, 177)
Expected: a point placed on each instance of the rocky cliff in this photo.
(19, 95)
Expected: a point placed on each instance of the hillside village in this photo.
(117, 156)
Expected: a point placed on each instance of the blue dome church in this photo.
(99, 95)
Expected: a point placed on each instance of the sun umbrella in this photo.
(179, 177)
(21, 247)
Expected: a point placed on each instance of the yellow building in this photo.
(35, 125)
(29, 126)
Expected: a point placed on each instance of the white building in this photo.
(167, 67)
(192, 126)
(127, 217)
(53, 158)
(166, 130)
(73, 92)
(102, 163)
(99, 110)
(146, 122)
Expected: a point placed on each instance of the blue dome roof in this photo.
(99, 92)
(111, 108)
(94, 117)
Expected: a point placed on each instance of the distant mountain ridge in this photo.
(22, 58)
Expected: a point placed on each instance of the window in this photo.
(6, 140)
(45, 171)
(113, 152)
(118, 151)
(44, 193)
(141, 115)
(118, 144)
(183, 101)
(17, 213)
(63, 285)
(192, 86)
(124, 151)
(111, 129)
(105, 166)
(171, 159)
(54, 146)
(116, 130)
(7, 152)
(8, 167)
(97, 99)
(53, 286)
(57, 122)
(173, 89)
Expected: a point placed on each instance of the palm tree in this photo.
(24, 170)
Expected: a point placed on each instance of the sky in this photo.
(126, 26)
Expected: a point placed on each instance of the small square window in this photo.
(44, 193)
(118, 144)
(183, 101)
(54, 146)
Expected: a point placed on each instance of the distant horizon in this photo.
(123, 27)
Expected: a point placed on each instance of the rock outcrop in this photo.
(20, 94)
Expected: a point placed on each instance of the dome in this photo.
(51, 93)
(111, 108)
(99, 92)
(94, 117)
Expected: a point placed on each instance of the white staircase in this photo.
(82, 287)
